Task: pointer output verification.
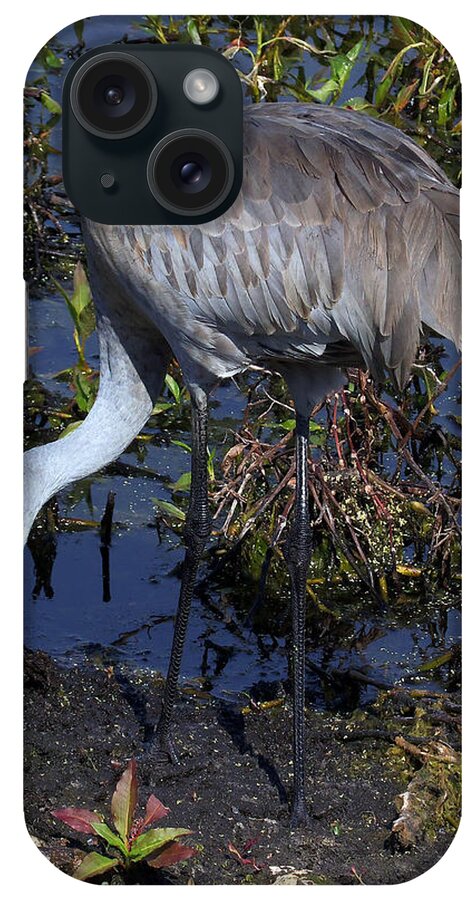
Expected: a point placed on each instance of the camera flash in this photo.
(201, 86)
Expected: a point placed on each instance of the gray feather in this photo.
(345, 233)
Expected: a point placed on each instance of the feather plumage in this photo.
(344, 234)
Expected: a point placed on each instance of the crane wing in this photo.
(345, 231)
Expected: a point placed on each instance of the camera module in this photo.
(152, 133)
(113, 95)
(190, 172)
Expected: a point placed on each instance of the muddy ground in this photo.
(233, 784)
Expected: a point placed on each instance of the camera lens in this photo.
(190, 172)
(113, 95)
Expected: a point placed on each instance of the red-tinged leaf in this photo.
(404, 96)
(79, 819)
(154, 811)
(171, 854)
(94, 864)
(242, 859)
(153, 840)
(249, 844)
(124, 801)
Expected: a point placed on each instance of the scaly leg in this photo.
(298, 557)
(197, 530)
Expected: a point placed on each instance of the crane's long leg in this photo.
(197, 530)
(298, 557)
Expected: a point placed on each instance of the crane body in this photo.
(341, 249)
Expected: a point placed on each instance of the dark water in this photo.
(136, 625)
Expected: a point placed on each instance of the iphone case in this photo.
(242, 478)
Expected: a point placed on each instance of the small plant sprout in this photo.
(130, 843)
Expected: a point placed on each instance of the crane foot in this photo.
(161, 748)
(167, 746)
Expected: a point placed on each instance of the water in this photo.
(227, 652)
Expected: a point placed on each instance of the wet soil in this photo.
(232, 786)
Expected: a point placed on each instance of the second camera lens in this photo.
(190, 172)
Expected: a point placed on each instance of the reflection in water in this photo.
(105, 533)
(42, 546)
(351, 653)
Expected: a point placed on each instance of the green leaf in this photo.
(51, 105)
(382, 90)
(69, 429)
(401, 30)
(288, 424)
(193, 31)
(152, 840)
(210, 467)
(124, 801)
(397, 60)
(169, 509)
(85, 390)
(445, 105)
(183, 483)
(49, 58)
(182, 444)
(161, 406)
(436, 663)
(323, 93)
(81, 291)
(354, 52)
(359, 103)
(94, 864)
(342, 65)
(173, 387)
(107, 833)
(318, 440)
(79, 31)
(87, 322)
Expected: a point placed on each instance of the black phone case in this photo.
(242, 476)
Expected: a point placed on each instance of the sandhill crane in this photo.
(341, 249)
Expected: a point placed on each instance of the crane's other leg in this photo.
(298, 557)
(197, 530)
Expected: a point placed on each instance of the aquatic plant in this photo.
(132, 841)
